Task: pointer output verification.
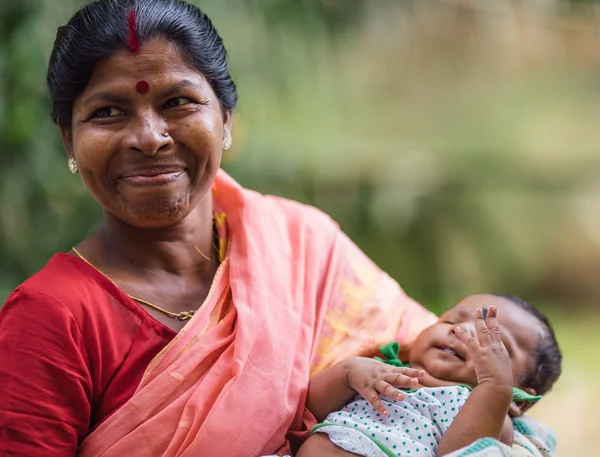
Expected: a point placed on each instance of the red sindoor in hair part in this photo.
(132, 39)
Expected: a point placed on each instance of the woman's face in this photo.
(138, 174)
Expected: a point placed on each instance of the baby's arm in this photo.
(329, 390)
(485, 411)
(508, 432)
(319, 445)
(332, 388)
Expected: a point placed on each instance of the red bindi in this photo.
(142, 86)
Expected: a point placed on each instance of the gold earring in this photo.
(227, 143)
(73, 165)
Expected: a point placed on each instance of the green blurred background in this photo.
(455, 141)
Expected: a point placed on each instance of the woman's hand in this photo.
(490, 358)
(371, 379)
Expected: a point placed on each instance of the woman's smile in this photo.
(153, 176)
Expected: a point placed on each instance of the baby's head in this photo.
(526, 333)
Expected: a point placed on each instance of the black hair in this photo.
(99, 29)
(548, 358)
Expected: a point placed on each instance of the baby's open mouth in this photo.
(452, 352)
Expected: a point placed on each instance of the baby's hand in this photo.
(372, 378)
(490, 358)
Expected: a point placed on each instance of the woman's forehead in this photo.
(157, 60)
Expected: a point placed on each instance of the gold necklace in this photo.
(182, 316)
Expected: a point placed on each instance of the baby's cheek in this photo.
(440, 369)
(518, 376)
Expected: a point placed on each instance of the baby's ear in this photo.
(518, 408)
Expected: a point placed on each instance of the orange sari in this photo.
(293, 296)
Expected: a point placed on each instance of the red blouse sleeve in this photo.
(45, 384)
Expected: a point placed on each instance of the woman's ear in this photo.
(67, 138)
(227, 123)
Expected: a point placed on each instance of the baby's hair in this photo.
(548, 359)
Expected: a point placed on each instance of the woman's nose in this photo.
(149, 134)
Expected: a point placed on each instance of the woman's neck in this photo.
(174, 249)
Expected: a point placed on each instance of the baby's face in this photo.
(439, 352)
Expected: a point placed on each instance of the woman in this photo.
(189, 322)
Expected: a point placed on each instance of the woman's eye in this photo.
(109, 111)
(448, 322)
(179, 101)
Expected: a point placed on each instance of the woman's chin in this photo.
(156, 213)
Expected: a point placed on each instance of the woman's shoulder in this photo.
(294, 213)
(250, 206)
(55, 305)
(65, 285)
(62, 274)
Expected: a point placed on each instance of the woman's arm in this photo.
(485, 411)
(332, 388)
(45, 385)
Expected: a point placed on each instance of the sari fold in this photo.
(300, 296)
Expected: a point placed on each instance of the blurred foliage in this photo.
(455, 141)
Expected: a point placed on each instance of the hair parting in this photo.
(132, 38)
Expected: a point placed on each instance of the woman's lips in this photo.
(152, 176)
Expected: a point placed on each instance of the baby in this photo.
(488, 356)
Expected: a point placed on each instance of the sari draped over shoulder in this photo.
(292, 296)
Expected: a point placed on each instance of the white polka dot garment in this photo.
(413, 428)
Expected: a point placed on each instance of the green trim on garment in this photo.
(518, 394)
(381, 447)
(390, 351)
(521, 395)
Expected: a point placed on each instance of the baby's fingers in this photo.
(467, 338)
(399, 379)
(388, 390)
(410, 372)
(372, 396)
(483, 333)
(492, 324)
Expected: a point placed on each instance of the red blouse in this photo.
(69, 326)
